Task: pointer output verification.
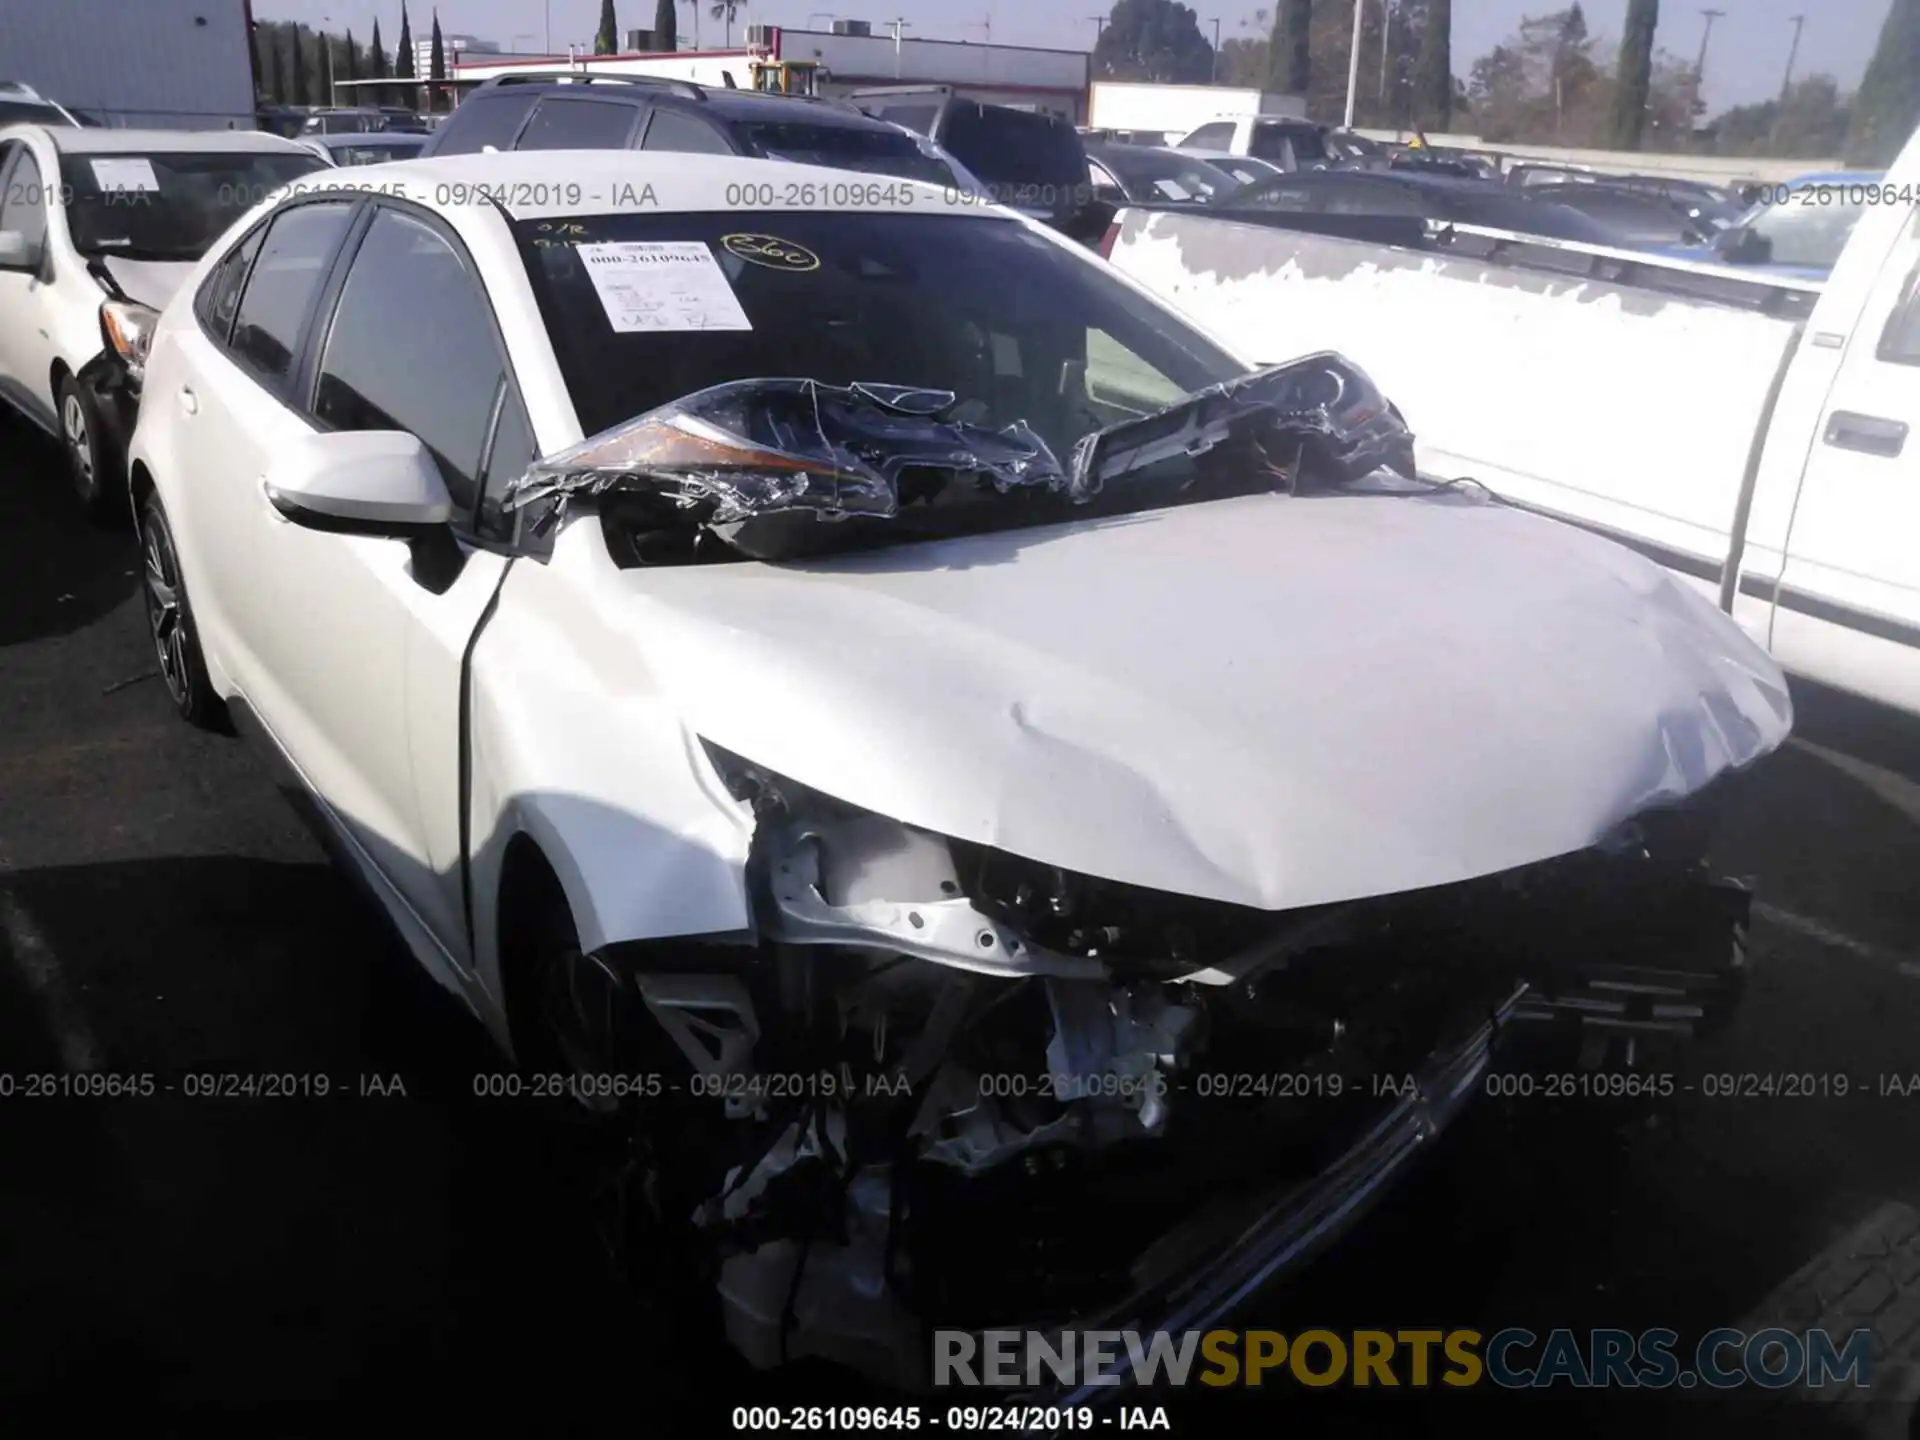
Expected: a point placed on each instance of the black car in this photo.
(1026, 159)
(1145, 175)
(1413, 194)
(553, 110)
(1639, 218)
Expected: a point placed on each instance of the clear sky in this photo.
(1746, 60)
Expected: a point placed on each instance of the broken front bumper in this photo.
(1199, 1273)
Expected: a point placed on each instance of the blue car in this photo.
(1798, 231)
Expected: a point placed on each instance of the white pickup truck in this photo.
(1761, 447)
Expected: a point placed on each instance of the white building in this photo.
(1050, 80)
(453, 46)
(168, 64)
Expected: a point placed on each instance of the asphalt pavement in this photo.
(300, 1266)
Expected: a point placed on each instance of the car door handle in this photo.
(1868, 434)
(189, 401)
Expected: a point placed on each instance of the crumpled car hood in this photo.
(1271, 701)
(151, 282)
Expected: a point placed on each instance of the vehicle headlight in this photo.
(127, 328)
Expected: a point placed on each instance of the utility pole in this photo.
(1214, 78)
(1099, 26)
(1386, 48)
(1700, 70)
(1353, 60)
(899, 23)
(1793, 54)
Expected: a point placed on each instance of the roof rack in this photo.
(864, 94)
(590, 77)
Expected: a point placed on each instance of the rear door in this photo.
(26, 326)
(1849, 604)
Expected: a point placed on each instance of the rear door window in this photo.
(484, 120)
(293, 262)
(566, 124)
(671, 130)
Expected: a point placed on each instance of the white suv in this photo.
(97, 229)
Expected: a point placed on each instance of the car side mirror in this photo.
(382, 483)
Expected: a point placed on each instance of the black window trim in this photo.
(530, 100)
(282, 387)
(466, 524)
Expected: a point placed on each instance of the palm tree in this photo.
(724, 11)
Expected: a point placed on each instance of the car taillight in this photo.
(1107, 241)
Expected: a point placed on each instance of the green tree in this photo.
(1633, 78)
(1888, 103)
(1811, 124)
(352, 67)
(1433, 83)
(437, 53)
(403, 53)
(726, 11)
(298, 85)
(276, 70)
(606, 40)
(1290, 51)
(1154, 40)
(666, 26)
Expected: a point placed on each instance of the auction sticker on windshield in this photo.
(134, 173)
(771, 251)
(662, 285)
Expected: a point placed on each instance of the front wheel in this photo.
(93, 460)
(176, 641)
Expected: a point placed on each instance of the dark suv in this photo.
(559, 110)
(1024, 159)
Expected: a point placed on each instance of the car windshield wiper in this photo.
(751, 448)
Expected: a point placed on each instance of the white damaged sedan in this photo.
(882, 705)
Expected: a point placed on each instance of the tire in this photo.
(93, 459)
(557, 994)
(176, 639)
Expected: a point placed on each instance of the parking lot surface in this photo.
(288, 1265)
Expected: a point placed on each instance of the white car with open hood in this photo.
(872, 696)
(97, 230)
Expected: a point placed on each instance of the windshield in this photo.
(168, 207)
(1026, 337)
(29, 112)
(847, 147)
(1270, 142)
(1164, 174)
(1809, 225)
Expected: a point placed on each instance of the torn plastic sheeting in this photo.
(754, 447)
(750, 447)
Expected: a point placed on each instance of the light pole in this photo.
(1353, 60)
(1700, 65)
(1386, 45)
(899, 23)
(546, 12)
(1793, 54)
(1214, 78)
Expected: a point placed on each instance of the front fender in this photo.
(572, 749)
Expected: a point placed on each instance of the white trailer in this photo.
(1177, 109)
(158, 64)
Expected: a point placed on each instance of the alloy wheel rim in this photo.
(79, 442)
(165, 616)
(579, 1013)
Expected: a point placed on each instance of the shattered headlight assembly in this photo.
(126, 328)
(829, 873)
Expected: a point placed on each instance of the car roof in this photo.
(533, 184)
(115, 142)
(378, 139)
(749, 106)
(1840, 177)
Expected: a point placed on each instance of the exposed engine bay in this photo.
(899, 1104)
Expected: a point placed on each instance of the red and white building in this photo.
(1054, 81)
